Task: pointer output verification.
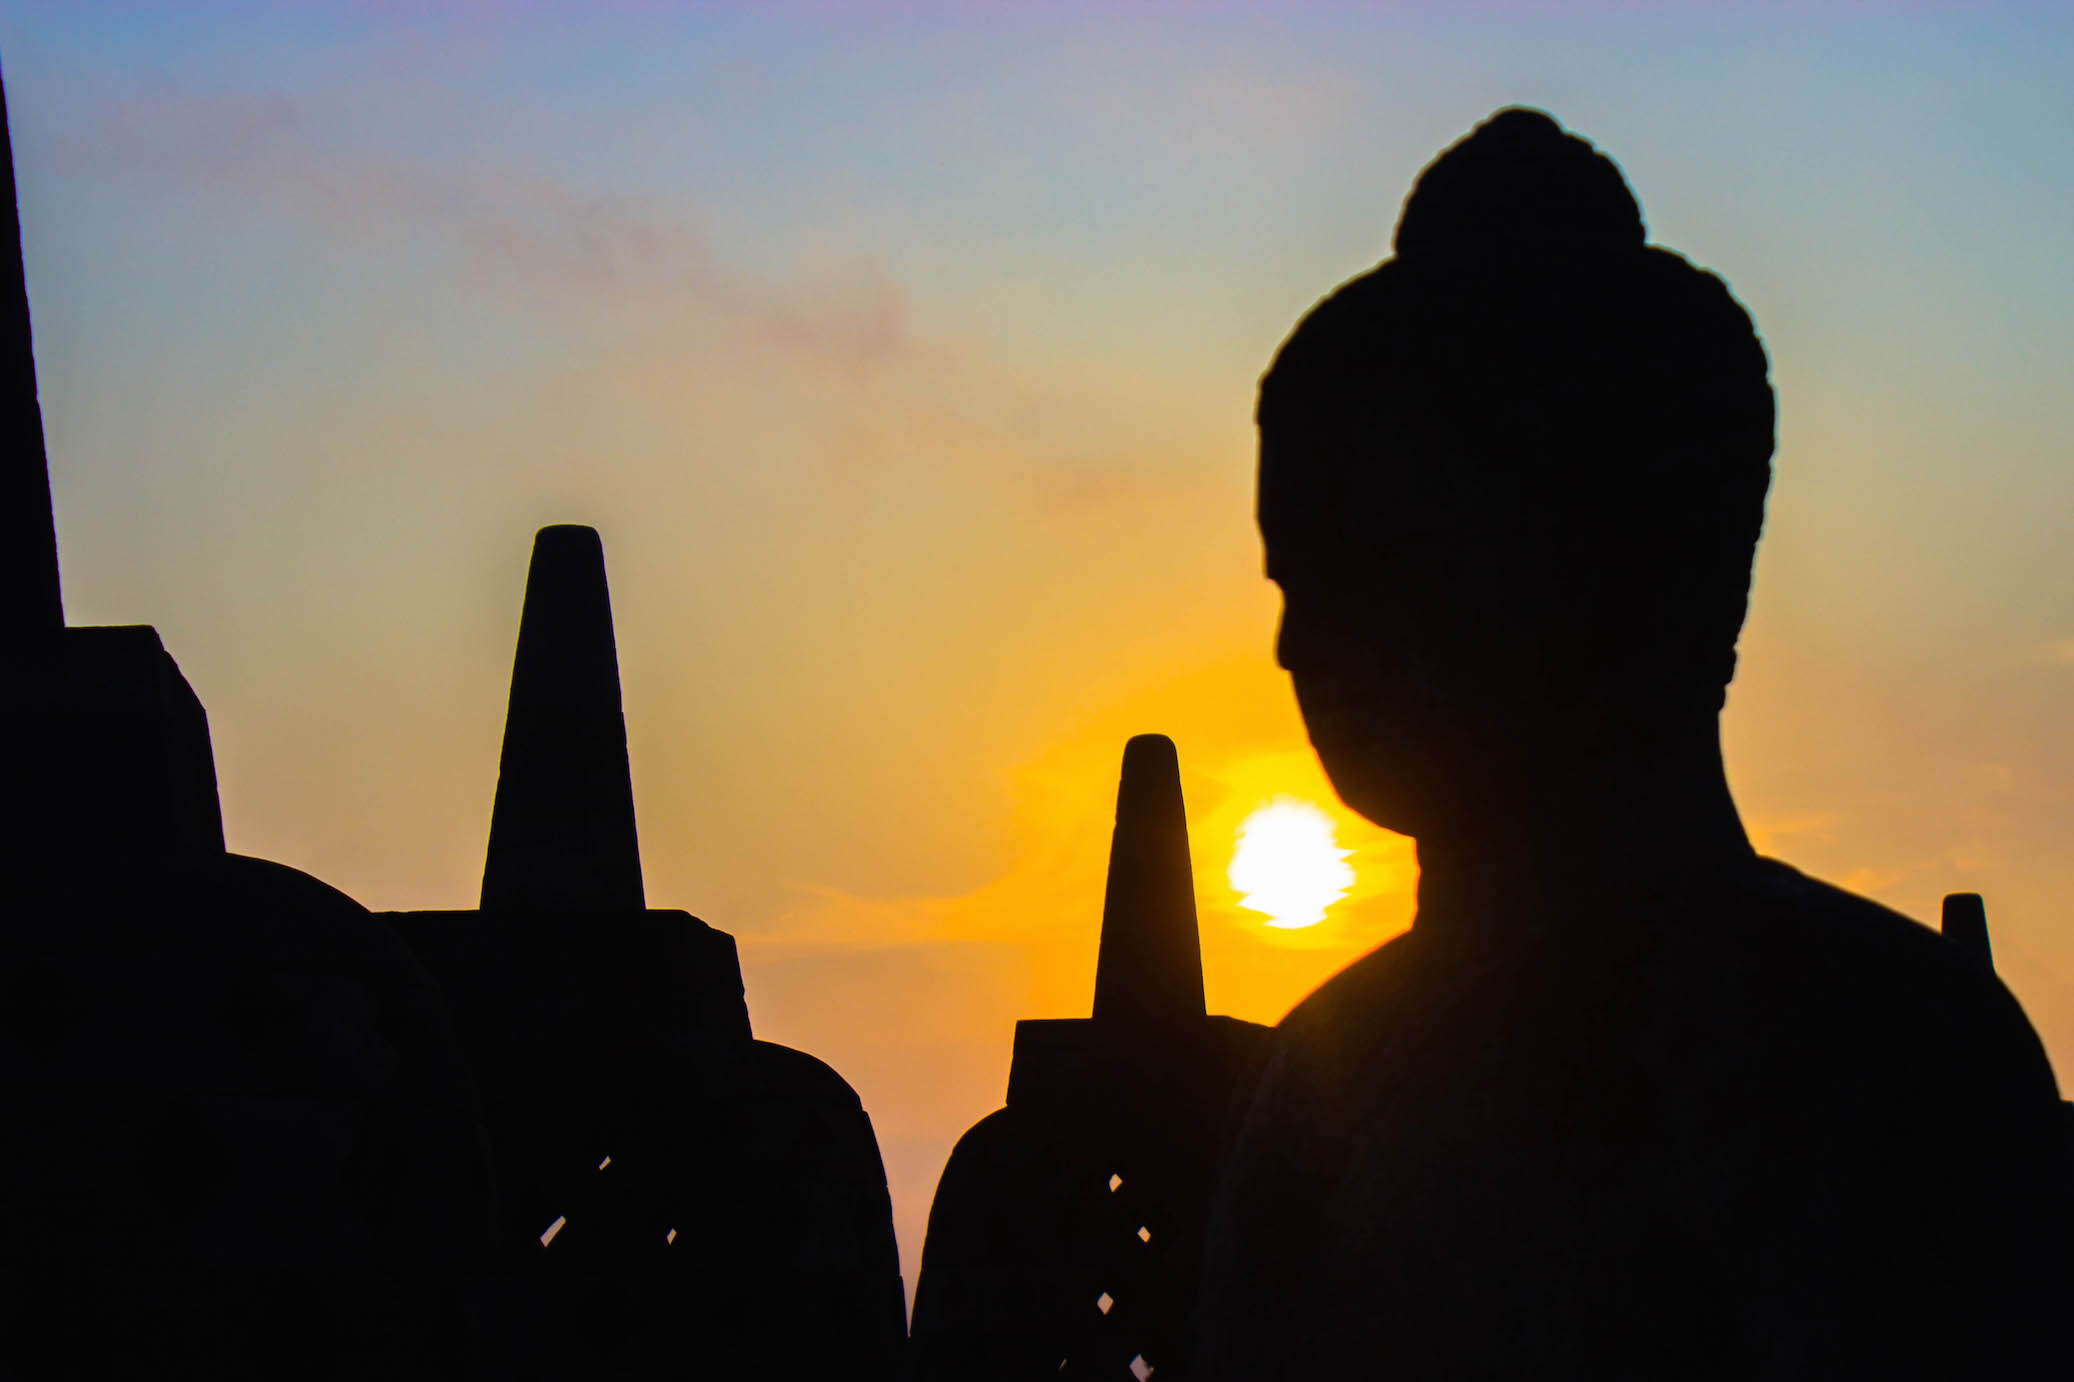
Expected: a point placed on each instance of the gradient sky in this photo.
(905, 358)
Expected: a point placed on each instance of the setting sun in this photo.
(1288, 864)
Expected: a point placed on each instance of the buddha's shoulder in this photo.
(1831, 934)
(1846, 953)
(1399, 982)
(1784, 940)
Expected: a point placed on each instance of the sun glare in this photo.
(1288, 864)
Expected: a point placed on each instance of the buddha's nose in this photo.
(1296, 638)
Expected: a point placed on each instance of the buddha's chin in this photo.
(1375, 778)
(1382, 802)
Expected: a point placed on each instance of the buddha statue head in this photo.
(1511, 483)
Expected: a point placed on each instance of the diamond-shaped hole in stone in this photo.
(1115, 1183)
(1144, 1234)
(603, 1164)
(1104, 1301)
(670, 1237)
(1140, 1369)
(552, 1230)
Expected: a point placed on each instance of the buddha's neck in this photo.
(1648, 818)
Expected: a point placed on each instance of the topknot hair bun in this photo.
(1519, 179)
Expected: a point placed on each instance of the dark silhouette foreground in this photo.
(1963, 920)
(239, 1140)
(243, 1138)
(1628, 1101)
(675, 1198)
(1065, 1239)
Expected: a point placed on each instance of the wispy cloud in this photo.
(1768, 830)
(2059, 652)
(643, 280)
(1870, 880)
(521, 234)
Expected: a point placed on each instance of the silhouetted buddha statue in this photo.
(1628, 1100)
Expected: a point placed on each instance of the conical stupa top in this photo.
(562, 832)
(1965, 924)
(29, 601)
(1151, 964)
